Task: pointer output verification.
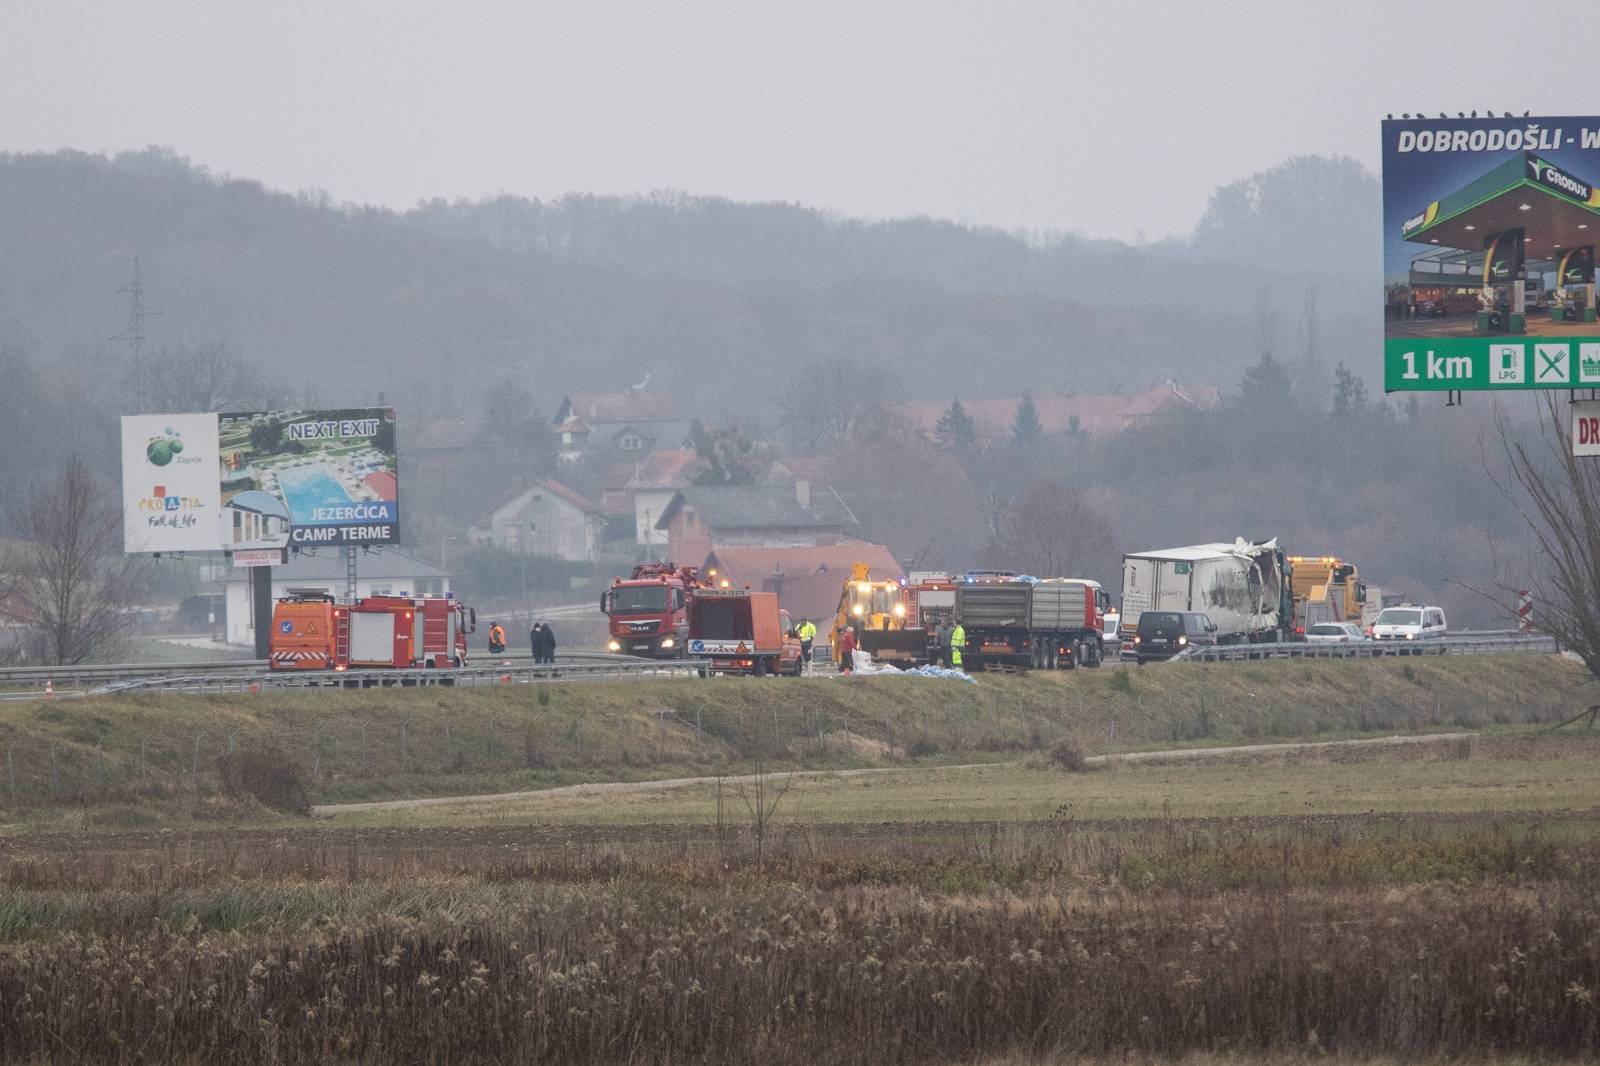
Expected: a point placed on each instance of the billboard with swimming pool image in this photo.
(308, 479)
(1489, 230)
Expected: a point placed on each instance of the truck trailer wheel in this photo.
(1096, 653)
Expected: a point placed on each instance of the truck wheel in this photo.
(1097, 654)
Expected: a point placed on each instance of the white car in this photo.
(1335, 633)
(1409, 622)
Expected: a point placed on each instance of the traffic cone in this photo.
(49, 688)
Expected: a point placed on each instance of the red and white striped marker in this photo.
(49, 688)
(1525, 610)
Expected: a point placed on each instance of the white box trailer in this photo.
(1243, 587)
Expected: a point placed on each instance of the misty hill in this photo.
(343, 302)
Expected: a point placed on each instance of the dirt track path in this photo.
(603, 788)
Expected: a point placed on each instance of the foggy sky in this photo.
(1103, 118)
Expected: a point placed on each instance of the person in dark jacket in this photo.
(548, 637)
(535, 641)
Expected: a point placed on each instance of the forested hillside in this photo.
(344, 302)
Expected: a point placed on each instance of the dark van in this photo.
(1163, 634)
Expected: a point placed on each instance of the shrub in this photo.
(1068, 754)
(267, 775)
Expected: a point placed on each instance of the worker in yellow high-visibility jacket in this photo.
(958, 641)
(807, 632)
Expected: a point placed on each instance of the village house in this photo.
(546, 518)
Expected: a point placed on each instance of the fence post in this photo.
(144, 763)
(53, 778)
(493, 719)
(363, 746)
(11, 772)
(316, 750)
(194, 762)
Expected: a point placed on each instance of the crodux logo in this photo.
(1546, 174)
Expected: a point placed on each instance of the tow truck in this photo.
(648, 612)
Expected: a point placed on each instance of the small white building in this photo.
(659, 478)
(378, 573)
(547, 518)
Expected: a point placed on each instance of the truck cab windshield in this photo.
(631, 599)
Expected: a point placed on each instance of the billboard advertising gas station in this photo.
(1489, 230)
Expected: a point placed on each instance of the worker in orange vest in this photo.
(497, 639)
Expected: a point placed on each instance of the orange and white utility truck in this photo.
(313, 631)
(743, 632)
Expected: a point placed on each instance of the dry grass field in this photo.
(1374, 904)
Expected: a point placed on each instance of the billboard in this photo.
(308, 479)
(1489, 227)
(170, 495)
(257, 482)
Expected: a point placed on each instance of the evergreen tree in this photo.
(1026, 429)
(956, 429)
(1349, 391)
(1265, 384)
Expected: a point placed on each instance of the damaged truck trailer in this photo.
(1244, 588)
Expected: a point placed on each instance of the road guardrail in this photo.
(1465, 644)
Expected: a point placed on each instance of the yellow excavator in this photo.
(879, 613)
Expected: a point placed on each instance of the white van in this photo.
(1409, 622)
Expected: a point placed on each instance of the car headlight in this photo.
(1183, 640)
(667, 642)
(1411, 636)
(614, 645)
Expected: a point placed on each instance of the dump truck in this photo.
(1055, 623)
(648, 612)
(1328, 589)
(313, 631)
(744, 632)
(1243, 587)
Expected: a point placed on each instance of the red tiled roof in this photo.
(381, 482)
(1095, 414)
(741, 565)
(556, 488)
(665, 469)
(812, 577)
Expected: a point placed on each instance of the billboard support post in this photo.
(350, 573)
(261, 608)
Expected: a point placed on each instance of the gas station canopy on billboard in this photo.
(1556, 209)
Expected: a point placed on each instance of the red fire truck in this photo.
(312, 631)
(649, 611)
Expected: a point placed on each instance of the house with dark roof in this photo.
(628, 424)
(545, 518)
(778, 514)
(384, 572)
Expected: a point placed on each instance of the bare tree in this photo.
(201, 376)
(72, 588)
(831, 401)
(1561, 505)
(1053, 532)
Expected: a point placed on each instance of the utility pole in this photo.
(135, 334)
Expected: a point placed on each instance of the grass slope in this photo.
(378, 744)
